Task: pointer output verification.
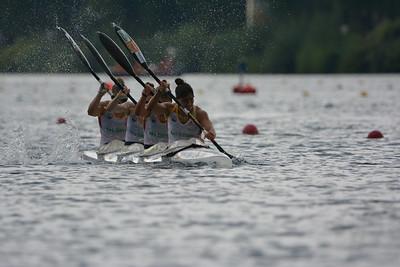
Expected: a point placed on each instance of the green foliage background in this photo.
(295, 36)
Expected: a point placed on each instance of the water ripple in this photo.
(309, 190)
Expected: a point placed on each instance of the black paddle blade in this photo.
(116, 53)
(97, 55)
(73, 44)
(79, 52)
(103, 64)
(131, 45)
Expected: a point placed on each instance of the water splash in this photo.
(13, 151)
(64, 146)
(28, 145)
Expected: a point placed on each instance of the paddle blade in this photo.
(131, 45)
(116, 53)
(78, 51)
(103, 64)
(97, 55)
(73, 44)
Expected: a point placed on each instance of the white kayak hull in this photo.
(114, 156)
(188, 152)
(91, 155)
(202, 156)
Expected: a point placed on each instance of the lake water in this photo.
(313, 190)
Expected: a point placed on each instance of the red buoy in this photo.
(61, 120)
(250, 129)
(375, 134)
(244, 89)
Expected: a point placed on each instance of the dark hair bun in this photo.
(182, 89)
(179, 81)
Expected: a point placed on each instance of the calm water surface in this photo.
(314, 191)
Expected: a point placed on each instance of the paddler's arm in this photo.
(140, 109)
(205, 121)
(154, 105)
(95, 109)
(113, 105)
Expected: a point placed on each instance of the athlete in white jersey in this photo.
(112, 124)
(134, 129)
(155, 126)
(180, 126)
(134, 136)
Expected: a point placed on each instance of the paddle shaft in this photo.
(101, 61)
(115, 51)
(81, 55)
(86, 63)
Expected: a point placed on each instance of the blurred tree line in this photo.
(294, 36)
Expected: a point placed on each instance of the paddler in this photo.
(134, 136)
(155, 126)
(112, 123)
(180, 126)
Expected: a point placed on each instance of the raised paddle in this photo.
(80, 54)
(138, 56)
(103, 64)
(134, 50)
(115, 51)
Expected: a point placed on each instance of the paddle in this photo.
(80, 54)
(101, 61)
(137, 54)
(115, 51)
(134, 50)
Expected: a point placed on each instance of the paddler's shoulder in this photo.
(128, 107)
(199, 110)
(128, 104)
(169, 106)
(102, 107)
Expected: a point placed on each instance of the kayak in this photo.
(202, 156)
(191, 152)
(113, 156)
(188, 156)
(91, 155)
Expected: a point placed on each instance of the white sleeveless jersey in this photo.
(181, 131)
(155, 131)
(111, 128)
(134, 131)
